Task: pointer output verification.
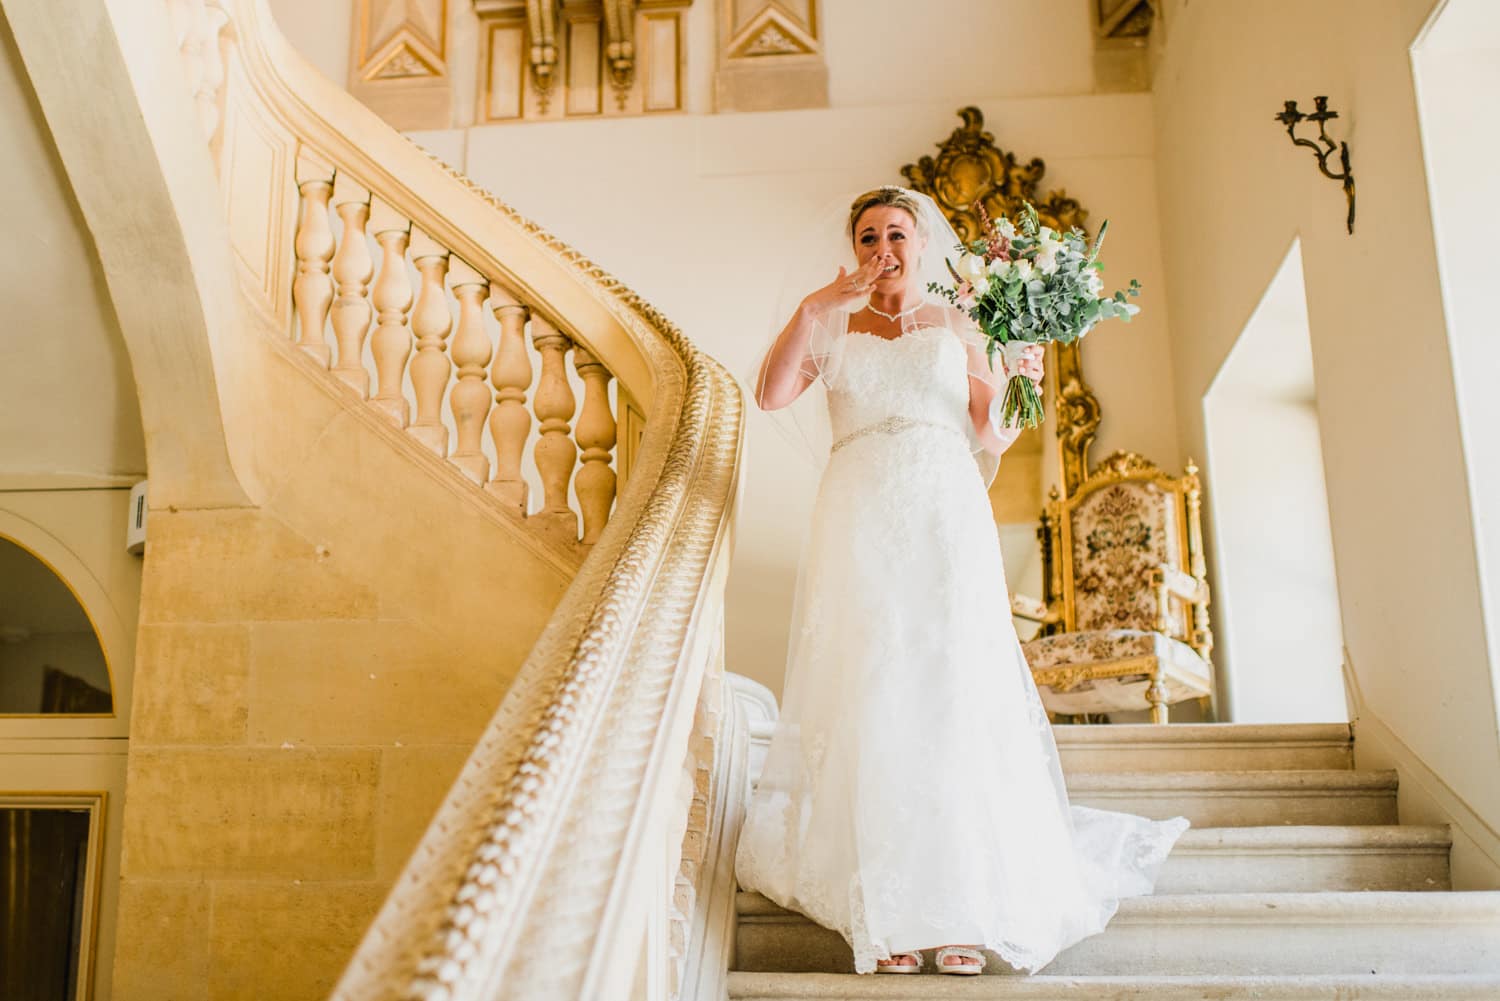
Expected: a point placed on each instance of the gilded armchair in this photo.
(1125, 614)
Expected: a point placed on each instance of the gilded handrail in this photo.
(535, 879)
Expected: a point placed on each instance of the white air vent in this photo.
(135, 528)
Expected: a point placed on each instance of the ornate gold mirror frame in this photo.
(971, 170)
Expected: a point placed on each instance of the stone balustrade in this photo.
(572, 856)
(375, 303)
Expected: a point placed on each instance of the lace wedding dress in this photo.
(912, 796)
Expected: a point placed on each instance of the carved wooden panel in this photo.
(503, 82)
(585, 76)
(400, 39)
(399, 61)
(770, 55)
(545, 59)
(663, 64)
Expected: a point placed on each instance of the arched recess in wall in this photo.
(51, 661)
(38, 555)
(1280, 634)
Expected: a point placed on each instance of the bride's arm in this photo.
(986, 387)
(789, 368)
(785, 374)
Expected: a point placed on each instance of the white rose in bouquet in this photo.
(971, 268)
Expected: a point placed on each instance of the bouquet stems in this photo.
(1021, 407)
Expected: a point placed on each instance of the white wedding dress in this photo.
(912, 796)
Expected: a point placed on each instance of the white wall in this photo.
(1279, 643)
(1235, 193)
(321, 31)
(883, 52)
(1458, 60)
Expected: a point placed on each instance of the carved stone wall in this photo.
(434, 64)
(770, 55)
(398, 63)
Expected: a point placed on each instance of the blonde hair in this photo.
(887, 196)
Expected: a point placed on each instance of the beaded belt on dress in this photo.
(891, 425)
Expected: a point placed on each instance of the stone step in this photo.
(1179, 747)
(1245, 798)
(1142, 747)
(847, 987)
(1209, 934)
(1302, 859)
(1294, 859)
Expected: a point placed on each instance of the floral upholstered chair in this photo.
(1125, 624)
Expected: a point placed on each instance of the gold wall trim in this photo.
(1068, 677)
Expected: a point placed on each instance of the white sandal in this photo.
(959, 969)
(891, 966)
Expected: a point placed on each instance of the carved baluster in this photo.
(312, 290)
(510, 422)
(555, 452)
(596, 437)
(391, 343)
(431, 321)
(352, 268)
(470, 399)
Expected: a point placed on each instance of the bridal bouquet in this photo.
(1023, 283)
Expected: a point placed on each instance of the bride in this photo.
(912, 797)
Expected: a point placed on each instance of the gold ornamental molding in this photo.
(401, 38)
(552, 59)
(774, 31)
(399, 63)
(970, 172)
(770, 55)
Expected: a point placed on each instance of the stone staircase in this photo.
(1296, 883)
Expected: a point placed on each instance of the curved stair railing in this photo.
(565, 860)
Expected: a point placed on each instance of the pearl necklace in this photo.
(893, 317)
